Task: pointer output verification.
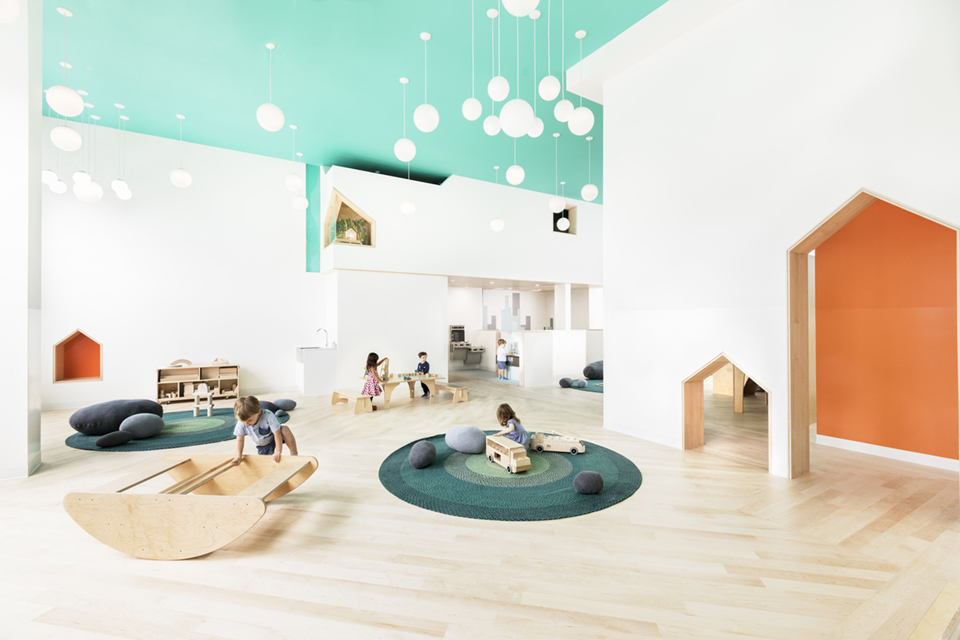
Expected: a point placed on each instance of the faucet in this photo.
(326, 343)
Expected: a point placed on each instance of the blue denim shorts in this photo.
(268, 449)
(501, 364)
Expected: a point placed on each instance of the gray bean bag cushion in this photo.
(565, 382)
(103, 418)
(269, 406)
(581, 384)
(422, 454)
(466, 438)
(114, 439)
(285, 405)
(594, 370)
(142, 425)
(280, 413)
(588, 482)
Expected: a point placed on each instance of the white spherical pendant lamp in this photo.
(516, 118)
(589, 192)
(536, 129)
(472, 109)
(426, 118)
(498, 88)
(294, 182)
(81, 177)
(48, 177)
(64, 101)
(270, 117)
(515, 174)
(300, 203)
(520, 8)
(563, 224)
(58, 187)
(9, 11)
(119, 185)
(496, 224)
(491, 125)
(549, 88)
(65, 138)
(557, 204)
(125, 194)
(563, 110)
(88, 192)
(408, 208)
(581, 121)
(405, 150)
(181, 178)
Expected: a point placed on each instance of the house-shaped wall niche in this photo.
(345, 223)
(570, 213)
(77, 358)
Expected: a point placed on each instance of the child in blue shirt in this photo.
(424, 368)
(512, 429)
(263, 428)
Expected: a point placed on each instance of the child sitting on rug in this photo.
(372, 386)
(512, 430)
(263, 427)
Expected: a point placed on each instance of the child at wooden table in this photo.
(263, 428)
(424, 368)
(372, 386)
(512, 429)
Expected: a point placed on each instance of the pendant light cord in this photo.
(563, 48)
(271, 75)
(589, 160)
(293, 153)
(581, 70)
(424, 72)
(181, 143)
(518, 58)
(549, 3)
(556, 164)
(64, 49)
(473, 52)
(499, 54)
(404, 109)
(514, 151)
(534, 68)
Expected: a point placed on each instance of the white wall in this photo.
(450, 232)
(596, 307)
(748, 132)
(580, 309)
(395, 315)
(569, 353)
(216, 269)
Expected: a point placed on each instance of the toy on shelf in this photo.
(203, 391)
(556, 442)
(219, 360)
(182, 362)
(508, 454)
(211, 503)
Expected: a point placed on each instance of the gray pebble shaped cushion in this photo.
(581, 384)
(565, 382)
(422, 454)
(279, 413)
(142, 425)
(466, 438)
(269, 406)
(594, 370)
(588, 482)
(103, 418)
(114, 439)
(285, 405)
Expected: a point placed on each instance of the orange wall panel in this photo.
(886, 341)
(81, 358)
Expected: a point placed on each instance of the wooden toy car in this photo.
(556, 442)
(508, 454)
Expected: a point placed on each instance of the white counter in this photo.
(316, 370)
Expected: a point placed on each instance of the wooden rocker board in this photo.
(211, 504)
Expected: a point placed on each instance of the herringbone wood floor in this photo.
(711, 546)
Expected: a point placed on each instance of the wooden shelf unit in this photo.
(183, 381)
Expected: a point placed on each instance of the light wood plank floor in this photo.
(710, 547)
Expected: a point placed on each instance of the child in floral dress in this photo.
(372, 386)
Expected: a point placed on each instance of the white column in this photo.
(21, 131)
(596, 307)
(561, 307)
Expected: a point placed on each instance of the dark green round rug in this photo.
(470, 486)
(180, 429)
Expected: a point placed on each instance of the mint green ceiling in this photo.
(336, 75)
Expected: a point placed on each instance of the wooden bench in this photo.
(364, 402)
(459, 393)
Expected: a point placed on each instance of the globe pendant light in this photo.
(491, 125)
(404, 148)
(563, 224)
(515, 173)
(181, 177)
(472, 109)
(65, 138)
(48, 177)
(520, 8)
(589, 191)
(497, 225)
(581, 120)
(9, 11)
(293, 181)
(549, 87)
(498, 88)
(536, 128)
(269, 115)
(62, 98)
(556, 204)
(563, 109)
(517, 116)
(300, 202)
(425, 116)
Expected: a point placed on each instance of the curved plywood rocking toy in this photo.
(211, 504)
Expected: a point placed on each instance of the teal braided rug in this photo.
(596, 386)
(470, 486)
(180, 429)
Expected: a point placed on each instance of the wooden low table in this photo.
(396, 379)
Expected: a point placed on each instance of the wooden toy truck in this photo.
(556, 442)
(508, 454)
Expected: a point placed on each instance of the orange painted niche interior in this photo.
(77, 357)
(886, 332)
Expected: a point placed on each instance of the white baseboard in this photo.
(894, 454)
